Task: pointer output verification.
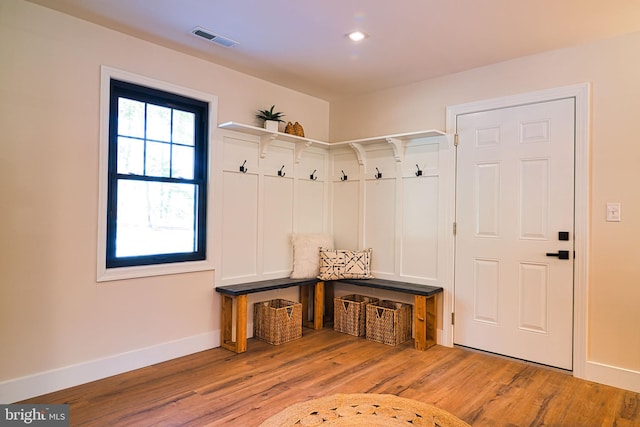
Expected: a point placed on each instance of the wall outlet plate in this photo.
(613, 212)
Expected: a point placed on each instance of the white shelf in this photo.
(397, 140)
(399, 136)
(266, 137)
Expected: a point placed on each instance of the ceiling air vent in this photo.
(214, 38)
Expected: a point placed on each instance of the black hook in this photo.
(280, 173)
(242, 168)
(379, 174)
(418, 172)
(343, 177)
(312, 177)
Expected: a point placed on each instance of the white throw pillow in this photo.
(306, 253)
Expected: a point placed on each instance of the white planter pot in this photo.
(271, 125)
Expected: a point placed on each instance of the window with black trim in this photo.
(157, 177)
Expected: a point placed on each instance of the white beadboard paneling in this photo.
(280, 156)
(240, 225)
(420, 227)
(236, 151)
(424, 154)
(380, 224)
(346, 219)
(277, 224)
(380, 158)
(312, 162)
(347, 162)
(310, 206)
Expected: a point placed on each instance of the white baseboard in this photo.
(611, 375)
(18, 389)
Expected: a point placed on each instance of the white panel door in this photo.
(515, 184)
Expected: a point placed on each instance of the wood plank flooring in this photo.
(218, 387)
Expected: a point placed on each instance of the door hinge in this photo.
(455, 140)
(455, 228)
(453, 318)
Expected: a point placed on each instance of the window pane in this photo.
(130, 156)
(158, 159)
(155, 218)
(158, 123)
(130, 117)
(183, 160)
(183, 127)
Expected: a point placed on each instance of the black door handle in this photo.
(560, 254)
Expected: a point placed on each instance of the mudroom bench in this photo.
(239, 292)
(424, 308)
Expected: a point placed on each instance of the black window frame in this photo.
(159, 97)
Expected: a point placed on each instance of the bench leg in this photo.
(240, 344)
(305, 301)
(318, 306)
(424, 319)
(328, 302)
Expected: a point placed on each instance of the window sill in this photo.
(106, 275)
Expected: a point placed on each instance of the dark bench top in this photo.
(268, 285)
(392, 285)
(263, 285)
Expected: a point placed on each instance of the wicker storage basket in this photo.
(349, 314)
(277, 321)
(389, 322)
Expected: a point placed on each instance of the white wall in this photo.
(611, 67)
(58, 326)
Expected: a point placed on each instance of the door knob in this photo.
(560, 254)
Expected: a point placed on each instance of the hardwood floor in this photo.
(218, 387)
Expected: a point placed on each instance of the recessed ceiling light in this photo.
(356, 36)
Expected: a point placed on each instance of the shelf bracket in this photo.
(299, 149)
(398, 148)
(359, 149)
(265, 140)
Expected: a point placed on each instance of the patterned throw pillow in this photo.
(345, 264)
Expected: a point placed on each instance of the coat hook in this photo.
(280, 172)
(343, 177)
(242, 168)
(378, 175)
(312, 177)
(418, 172)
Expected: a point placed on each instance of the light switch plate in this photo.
(613, 212)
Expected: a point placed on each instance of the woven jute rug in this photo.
(363, 410)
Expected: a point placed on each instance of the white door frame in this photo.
(581, 94)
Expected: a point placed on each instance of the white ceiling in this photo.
(301, 44)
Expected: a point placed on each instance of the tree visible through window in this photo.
(157, 177)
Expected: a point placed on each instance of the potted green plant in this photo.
(271, 118)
